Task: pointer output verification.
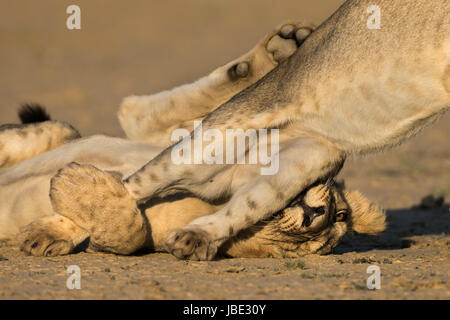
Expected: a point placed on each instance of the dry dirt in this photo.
(147, 46)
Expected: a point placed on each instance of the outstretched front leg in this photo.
(301, 164)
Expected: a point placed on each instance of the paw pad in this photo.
(287, 39)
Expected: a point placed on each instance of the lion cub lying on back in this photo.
(314, 222)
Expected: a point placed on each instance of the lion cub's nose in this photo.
(310, 213)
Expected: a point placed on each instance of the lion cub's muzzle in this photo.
(310, 213)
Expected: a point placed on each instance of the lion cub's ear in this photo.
(365, 216)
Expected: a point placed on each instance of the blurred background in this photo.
(142, 47)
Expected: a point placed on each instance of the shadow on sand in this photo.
(404, 226)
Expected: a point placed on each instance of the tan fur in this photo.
(366, 217)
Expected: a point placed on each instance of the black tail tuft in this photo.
(33, 112)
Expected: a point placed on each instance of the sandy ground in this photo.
(148, 46)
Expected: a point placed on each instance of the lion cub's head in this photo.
(318, 220)
(314, 222)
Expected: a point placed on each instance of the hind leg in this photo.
(153, 118)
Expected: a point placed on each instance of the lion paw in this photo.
(40, 242)
(98, 202)
(276, 46)
(191, 244)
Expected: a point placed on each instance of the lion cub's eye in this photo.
(341, 216)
